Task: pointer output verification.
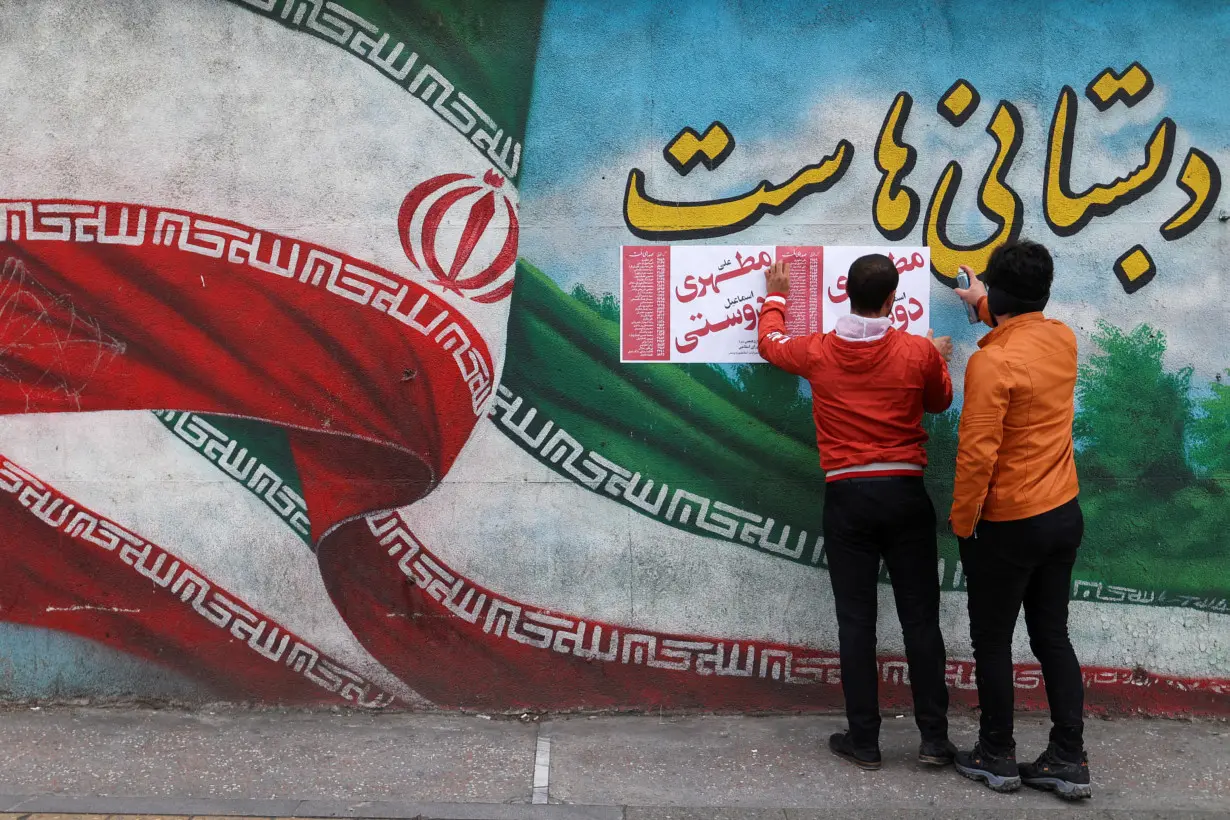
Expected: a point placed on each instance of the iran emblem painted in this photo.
(481, 266)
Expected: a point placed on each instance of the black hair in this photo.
(1023, 269)
(871, 280)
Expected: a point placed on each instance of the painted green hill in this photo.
(1154, 533)
(689, 427)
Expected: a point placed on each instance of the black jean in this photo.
(1029, 562)
(891, 518)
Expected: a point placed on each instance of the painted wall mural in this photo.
(310, 388)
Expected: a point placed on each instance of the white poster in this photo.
(716, 295)
(912, 309)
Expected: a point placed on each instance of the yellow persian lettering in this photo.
(1067, 212)
(996, 200)
(1201, 179)
(651, 218)
(688, 148)
(896, 206)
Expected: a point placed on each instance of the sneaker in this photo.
(1050, 771)
(937, 752)
(839, 744)
(999, 773)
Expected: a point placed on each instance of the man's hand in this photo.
(943, 344)
(976, 290)
(777, 278)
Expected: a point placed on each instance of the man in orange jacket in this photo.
(870, 385)
(1016, 515)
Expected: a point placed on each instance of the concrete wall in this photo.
(277, 425)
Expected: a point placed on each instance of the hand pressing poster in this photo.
(701, 303)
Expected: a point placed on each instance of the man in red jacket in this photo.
(870, 385)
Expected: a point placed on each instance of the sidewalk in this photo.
(322, 764)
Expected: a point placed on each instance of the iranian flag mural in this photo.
(310, 388)
(256, 275)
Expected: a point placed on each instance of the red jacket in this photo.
(868, 398)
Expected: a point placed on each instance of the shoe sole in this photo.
(862, 764)
(993, 781)
(931, 760)
(1066, 789)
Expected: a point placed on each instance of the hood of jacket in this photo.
(860, 343)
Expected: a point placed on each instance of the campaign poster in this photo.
(701, 303)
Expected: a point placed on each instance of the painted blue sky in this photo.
(615, 81)
(605, 70)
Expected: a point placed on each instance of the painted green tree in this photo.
(1150, 520)
(1211, 435)
(1133, 413)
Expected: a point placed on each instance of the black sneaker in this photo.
(839, 744)
(937, 752)
(999, 773)
(1050, 771)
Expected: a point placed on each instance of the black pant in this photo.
(1028, 561)
(864, 520)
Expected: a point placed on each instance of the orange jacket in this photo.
(1015, 458)
(867, 397)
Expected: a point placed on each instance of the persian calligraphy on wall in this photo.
(896, 206)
